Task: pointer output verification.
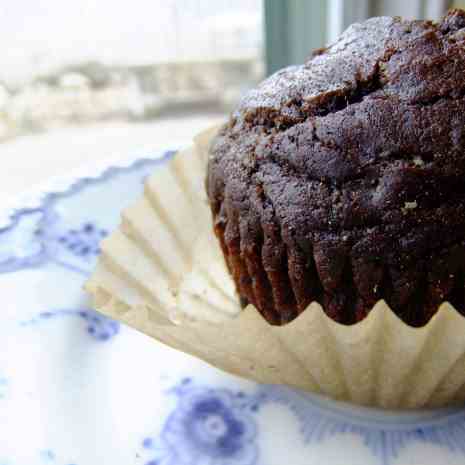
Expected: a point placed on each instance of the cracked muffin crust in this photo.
(342, 180)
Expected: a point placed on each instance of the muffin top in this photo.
(357, 155)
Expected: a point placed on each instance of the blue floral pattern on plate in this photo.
(98, 326)
(46, 252)
(208, 426)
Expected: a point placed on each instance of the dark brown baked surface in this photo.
(342, 180)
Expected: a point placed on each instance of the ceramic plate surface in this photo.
(79, 389)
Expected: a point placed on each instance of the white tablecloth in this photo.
(32, 160)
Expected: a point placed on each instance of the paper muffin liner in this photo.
(162, 272)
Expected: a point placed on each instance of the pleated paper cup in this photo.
(162, 272)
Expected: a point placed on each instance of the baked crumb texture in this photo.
(342, 180)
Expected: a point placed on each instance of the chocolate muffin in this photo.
(342, 180)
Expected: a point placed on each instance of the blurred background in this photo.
(88, 79)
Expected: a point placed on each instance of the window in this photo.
(68, 63)
(74, 63)
(295, 27)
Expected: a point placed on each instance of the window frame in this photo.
(293, 28)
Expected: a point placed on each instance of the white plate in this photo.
(79, 389)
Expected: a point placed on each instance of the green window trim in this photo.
(293, 28)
